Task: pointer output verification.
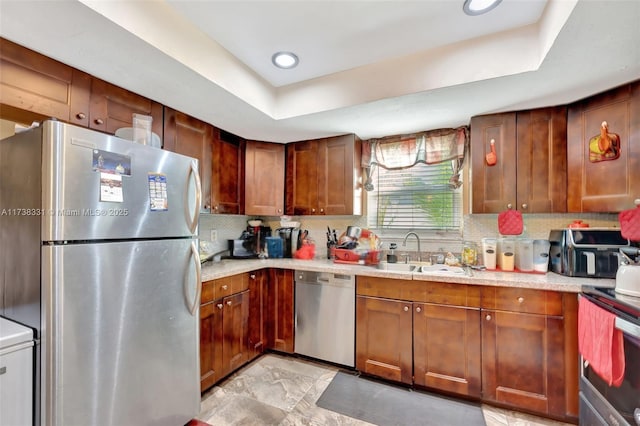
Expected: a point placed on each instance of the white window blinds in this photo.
(420, 197)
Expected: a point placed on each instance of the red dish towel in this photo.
(600, 342)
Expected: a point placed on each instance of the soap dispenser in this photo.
(391, 256)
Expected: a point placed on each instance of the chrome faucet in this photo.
(404, 243)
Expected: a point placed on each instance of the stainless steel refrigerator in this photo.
(99, 256)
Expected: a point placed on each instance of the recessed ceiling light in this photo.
(284, 60)
(478, 7)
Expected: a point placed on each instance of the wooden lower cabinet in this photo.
(509, 346)
(383, 338)
(435, 345)
(529, 351)
(446, 348)
(210, 344)
(258, 281)
(280, 301)
(224, 326)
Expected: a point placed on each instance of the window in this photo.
(417, 198)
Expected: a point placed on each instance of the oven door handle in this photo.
(627, 327)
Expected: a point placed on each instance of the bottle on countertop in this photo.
(391, 256)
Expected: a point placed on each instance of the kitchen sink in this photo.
(401, 267)
(441, 270)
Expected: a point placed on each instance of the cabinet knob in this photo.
(81, 116)
(219, 305)
(313, 210)
(215, 208)
(321, 210)
(520, 299)
(418, 310)
(279, 210)
(252, 276)
(228, 302)
(509, 206)
(99, 121)
(525, 206)
(406, 309)
(224, 287)
(488, 317)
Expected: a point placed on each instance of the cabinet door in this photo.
(264, 179)
(446, 348)
(210, 344)
(257, 312)
(227, 179)
(384, 338)
(339, 176)
(542, 160)
(302, 178)
(494, 187)
(235, 320)
(280, 310)
(194, 138)
(112, 107)
(35, 87)
(523, 361)
(612, 185)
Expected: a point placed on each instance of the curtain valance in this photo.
(432, 147)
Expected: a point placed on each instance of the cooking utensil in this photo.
(354, 232)
(491, 157)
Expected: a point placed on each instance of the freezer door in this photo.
(97, 187)
(120, 331)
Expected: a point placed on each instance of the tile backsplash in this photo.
(476, 227)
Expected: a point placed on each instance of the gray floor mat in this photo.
(386, 405)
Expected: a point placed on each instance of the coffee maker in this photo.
(291, 240)
(251, 243)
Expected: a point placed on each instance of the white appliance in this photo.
(16, 374)
(100, 257)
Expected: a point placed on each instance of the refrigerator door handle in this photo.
(193, 171)
(195, 255)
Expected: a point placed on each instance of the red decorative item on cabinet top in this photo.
(630, 222)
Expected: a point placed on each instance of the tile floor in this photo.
(282, 390)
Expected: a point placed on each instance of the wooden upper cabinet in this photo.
(194, 138)
(324, 177)
(264, 179)
(494, 187)
(302, 178)
(610, 185)
(227, 176)
(33, 86)
(112, 107)
(530, 172)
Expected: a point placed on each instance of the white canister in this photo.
(489, 249)
(524, 254)
(541, 255)
(506, 251)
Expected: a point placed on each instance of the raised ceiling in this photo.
(374, 68)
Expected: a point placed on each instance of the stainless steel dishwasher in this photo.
(325, 316)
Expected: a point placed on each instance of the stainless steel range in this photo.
(601, 403)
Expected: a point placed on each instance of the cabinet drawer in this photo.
(522, 300)
(452, 294)
(208, 293)
(390, 288)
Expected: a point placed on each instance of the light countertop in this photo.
(548, 281)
